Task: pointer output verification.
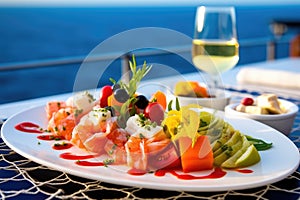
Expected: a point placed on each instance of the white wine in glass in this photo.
(215, 47)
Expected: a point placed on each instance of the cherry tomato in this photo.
(105, 92)
(247, 101)
(155, 112)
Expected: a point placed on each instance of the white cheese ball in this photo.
(98, 115)
(83, 102)
(138, 127)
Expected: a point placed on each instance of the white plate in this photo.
(276, 163)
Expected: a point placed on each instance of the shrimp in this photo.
(151, 153)
(136, 153)
(91, 131)
(146, 140)
(64, 115)
(115, 146)
(95, 143)
(54, 106)
(62, 123)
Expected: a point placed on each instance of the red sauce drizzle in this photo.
(136, 172)
(217, 173)
(244, 171)
(89, 164)
(29, 127)
(62, 146)
(70, 156)
(50, 137)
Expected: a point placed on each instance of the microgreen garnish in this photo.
(108, 161)
(141, 136)
(112, 149)
(60, 144)
(78, 112)
(91, 98)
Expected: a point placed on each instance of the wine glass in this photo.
(215, 48)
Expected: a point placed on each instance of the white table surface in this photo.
(228, 79)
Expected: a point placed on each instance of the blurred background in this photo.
(42, 44)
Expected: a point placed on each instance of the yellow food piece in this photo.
(269, 102)
(190, 89)
(252, 109)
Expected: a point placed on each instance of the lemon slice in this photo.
(250, 157)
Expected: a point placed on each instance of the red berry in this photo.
(105, 92)
(247, 101)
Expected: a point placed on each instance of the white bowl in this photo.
(219, 102)
(281, 122)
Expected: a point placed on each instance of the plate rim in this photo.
(148, 185)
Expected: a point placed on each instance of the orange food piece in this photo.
(54, 106)
(160, 98)
(198, 89)
(198, 157)
(190, 89)
(62, 123)
(135, 147)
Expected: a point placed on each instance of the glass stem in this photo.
(214, 85)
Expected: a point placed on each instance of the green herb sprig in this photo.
(137, 75)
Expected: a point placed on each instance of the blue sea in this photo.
(39, 33)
